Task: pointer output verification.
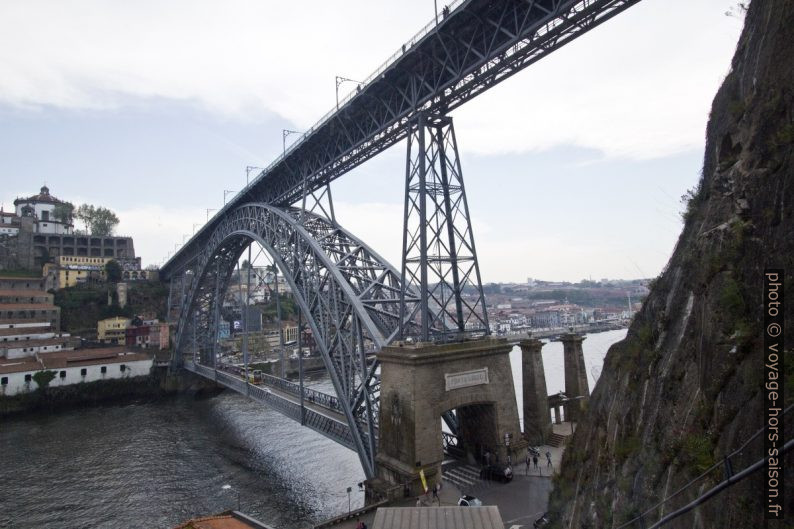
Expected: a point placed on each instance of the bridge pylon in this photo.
(420, 382)
(439, 259)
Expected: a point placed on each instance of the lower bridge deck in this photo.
(319, 411)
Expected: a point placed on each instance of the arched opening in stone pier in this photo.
(420, 383)
(472, 438)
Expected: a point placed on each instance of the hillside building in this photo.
(72, 367)
(30, 343)
(112, 330)
(39, 231)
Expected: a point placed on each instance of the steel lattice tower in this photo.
(439, 258)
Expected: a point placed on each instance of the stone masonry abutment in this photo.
(419, 382)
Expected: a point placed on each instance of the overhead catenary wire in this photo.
(701, 476)
(732, 480)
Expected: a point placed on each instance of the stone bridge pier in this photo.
(419, 383)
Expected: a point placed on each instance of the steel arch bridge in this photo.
(353, 300)
(349, 295)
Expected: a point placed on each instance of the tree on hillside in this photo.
(85, 214)
(64, 212)
(113, 271)
(104, 222)
(98, 221)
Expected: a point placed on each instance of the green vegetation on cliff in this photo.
(82, 306)
(684, 389)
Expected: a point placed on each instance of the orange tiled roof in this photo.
(24, 330)
(18, 365)
(24, 292)
(25, 306)
(33, 343)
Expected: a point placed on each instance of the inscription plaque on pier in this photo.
(466, 378)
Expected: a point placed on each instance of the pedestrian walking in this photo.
(487, 457)
(526, 472)
(436, 488)
(548, 460)
(360, 524)
(535, 461)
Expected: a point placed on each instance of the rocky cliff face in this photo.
(684, 388)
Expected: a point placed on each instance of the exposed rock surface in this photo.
(684, 388)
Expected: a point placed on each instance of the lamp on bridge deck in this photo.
(349, 489)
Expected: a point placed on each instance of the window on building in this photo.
(62, 374)
(123, 368)
(104, 369)
(4, 381)
(28, 377)
(83, 372)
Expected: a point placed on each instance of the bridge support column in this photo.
(439, 260)
(537, 419)
(418, 384)
(576, 386)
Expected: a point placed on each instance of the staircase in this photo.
(461, 475)
(556, 440)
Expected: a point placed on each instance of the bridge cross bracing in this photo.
(352, 299)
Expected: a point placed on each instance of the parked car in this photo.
(469, 501)
(543, 521)
(497, 472)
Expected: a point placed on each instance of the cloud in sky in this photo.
(639, 86)
(171, 100)
(156, 228)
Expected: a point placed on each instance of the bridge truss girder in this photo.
(478, 45)
(348, 294)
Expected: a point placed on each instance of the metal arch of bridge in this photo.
(349, 294)
(476, 45)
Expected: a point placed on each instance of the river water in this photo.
(154, 464)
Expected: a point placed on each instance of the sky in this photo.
(574, 167)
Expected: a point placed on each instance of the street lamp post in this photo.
(248, 169)
(349, 489)
(339, 81)
(284, 134)
(208, 212)
(229, 487)
(226, 192)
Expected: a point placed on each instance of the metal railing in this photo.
(313, 396)
(327, 426)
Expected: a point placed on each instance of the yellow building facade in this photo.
(112, 330)
(76, 269)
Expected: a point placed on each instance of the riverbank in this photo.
(60, 398)
(159, 384)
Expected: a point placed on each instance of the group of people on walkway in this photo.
(423, 499)
(532, 457)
